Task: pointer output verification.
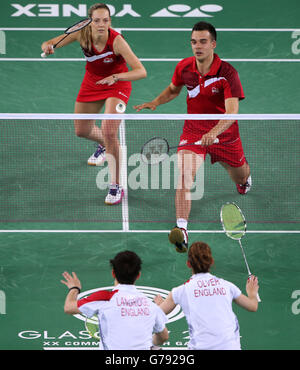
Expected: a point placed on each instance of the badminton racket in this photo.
(234, 225)
(157, 149)
(92, 327)
(74, 28)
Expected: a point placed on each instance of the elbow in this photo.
(143, 73)
(70, 309)
(67, 311)
(254, 307)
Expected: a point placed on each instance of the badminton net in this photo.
(45, 177)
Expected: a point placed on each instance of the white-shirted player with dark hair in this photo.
(128, 319)
(206, 301)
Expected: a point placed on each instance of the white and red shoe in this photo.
(115, 195)
(98, 158)
(179, 237)
(244, 188)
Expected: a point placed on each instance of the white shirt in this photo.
(127, 317)
(207, 304)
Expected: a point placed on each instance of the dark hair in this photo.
(126, 266)
(200, 257)
(204, 26)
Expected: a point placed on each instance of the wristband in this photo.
(75, 287)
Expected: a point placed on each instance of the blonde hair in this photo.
(85, 36)
(200, 257)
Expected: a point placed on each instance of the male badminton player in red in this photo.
(213, 87)
(107, 82)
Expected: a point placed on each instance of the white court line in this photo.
(124, 176)
(144, 60)
(157, 29)
(150, 231)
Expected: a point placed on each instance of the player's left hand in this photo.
(110, 80)
(158, 299)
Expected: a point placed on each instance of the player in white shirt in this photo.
(206, 301)
(128, 319)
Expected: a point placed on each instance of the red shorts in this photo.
(89, 91)
(231, 153)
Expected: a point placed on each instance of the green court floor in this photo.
(52, 214)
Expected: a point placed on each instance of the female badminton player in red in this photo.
(107, 82)
(213, 87)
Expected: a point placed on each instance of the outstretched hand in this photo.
(71, 280)
(252, 286)
(148, 105)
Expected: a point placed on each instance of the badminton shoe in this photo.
(179, 237)
(98, 158)
(244, 188)
(115, 195)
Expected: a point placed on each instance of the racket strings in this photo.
(155, 150)
(78, 26)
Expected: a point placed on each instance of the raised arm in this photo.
(47, 46)
(250, 302)
(71, 281)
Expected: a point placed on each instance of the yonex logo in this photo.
(150, 292)
(183, 10)
(67, 10)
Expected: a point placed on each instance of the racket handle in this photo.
(199, 142)
(44, 55)
(258, 297)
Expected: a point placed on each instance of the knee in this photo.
(110, 136)
(81, 130)
(245, 175)
(186, 180)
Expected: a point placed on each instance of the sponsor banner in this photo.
(136, 13)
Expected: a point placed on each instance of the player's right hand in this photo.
(48, 49)
(252, 285)
(149, 105)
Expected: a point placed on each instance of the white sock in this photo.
(182, 223)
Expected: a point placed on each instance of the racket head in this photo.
(92, 327)
(78, 25)
(233, 221)
(155, 150)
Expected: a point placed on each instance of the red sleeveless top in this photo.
(106, 62)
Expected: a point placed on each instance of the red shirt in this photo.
(207, 94)
(106, 62)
